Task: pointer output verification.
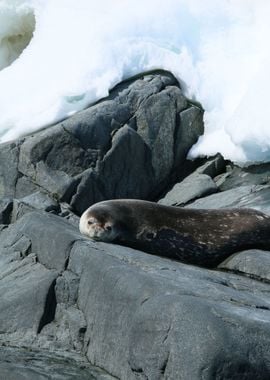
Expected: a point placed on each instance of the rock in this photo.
(23, 364)
(131, 313)
(66, 331)
(192, 187)
(25, 187)
(253, 262)
(160, 325)
(6, 205)
(36, 201)
(189, 130)
(156, 122)
(50, 238)
(251, 175)
(213, 166)
(67, 301)
(67, 287)
(252, 196)
(9, 158)
(120, 176)
(26, 301)
(67, 213)
(196, 185)
(113, 149)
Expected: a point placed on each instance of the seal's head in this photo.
(98, 224)
(109, 221)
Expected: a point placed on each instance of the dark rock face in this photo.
(115, 149)
(67, 302)
(5, 210)
(134, 314)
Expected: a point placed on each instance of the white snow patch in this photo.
(58, 56)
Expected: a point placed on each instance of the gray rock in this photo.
(9, 159)
(252, 196)
(197, 184)
(174, 311)
(159, 120)
(155, 123)
(120, 176)
(23, 364)
(71, 301)
(2, 227)
(26, 302)
(67, 287)
(25, 187)
(192, 187)
(213, 166)
(6, 205)
(50, 237)
(190, 127)
(131, 313)
(68, 214)
(36, 201)
(113, 149)
(254, 262)
(66, 331)
(251, 175)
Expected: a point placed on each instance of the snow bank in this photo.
(57, 57)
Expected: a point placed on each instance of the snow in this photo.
(59, 56)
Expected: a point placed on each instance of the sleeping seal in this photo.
(200, 237)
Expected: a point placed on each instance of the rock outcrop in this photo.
(133, 314)
(126, 146)
(68, 304)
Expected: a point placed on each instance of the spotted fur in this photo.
(200, 237)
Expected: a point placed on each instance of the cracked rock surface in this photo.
(71, 308)
(133, 314)
(114, 149)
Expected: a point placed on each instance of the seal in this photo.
(203, 237)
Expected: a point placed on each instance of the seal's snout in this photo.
(91, 227)
(96, 228)
(108, 227)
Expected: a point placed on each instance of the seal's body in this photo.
(200, 237)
